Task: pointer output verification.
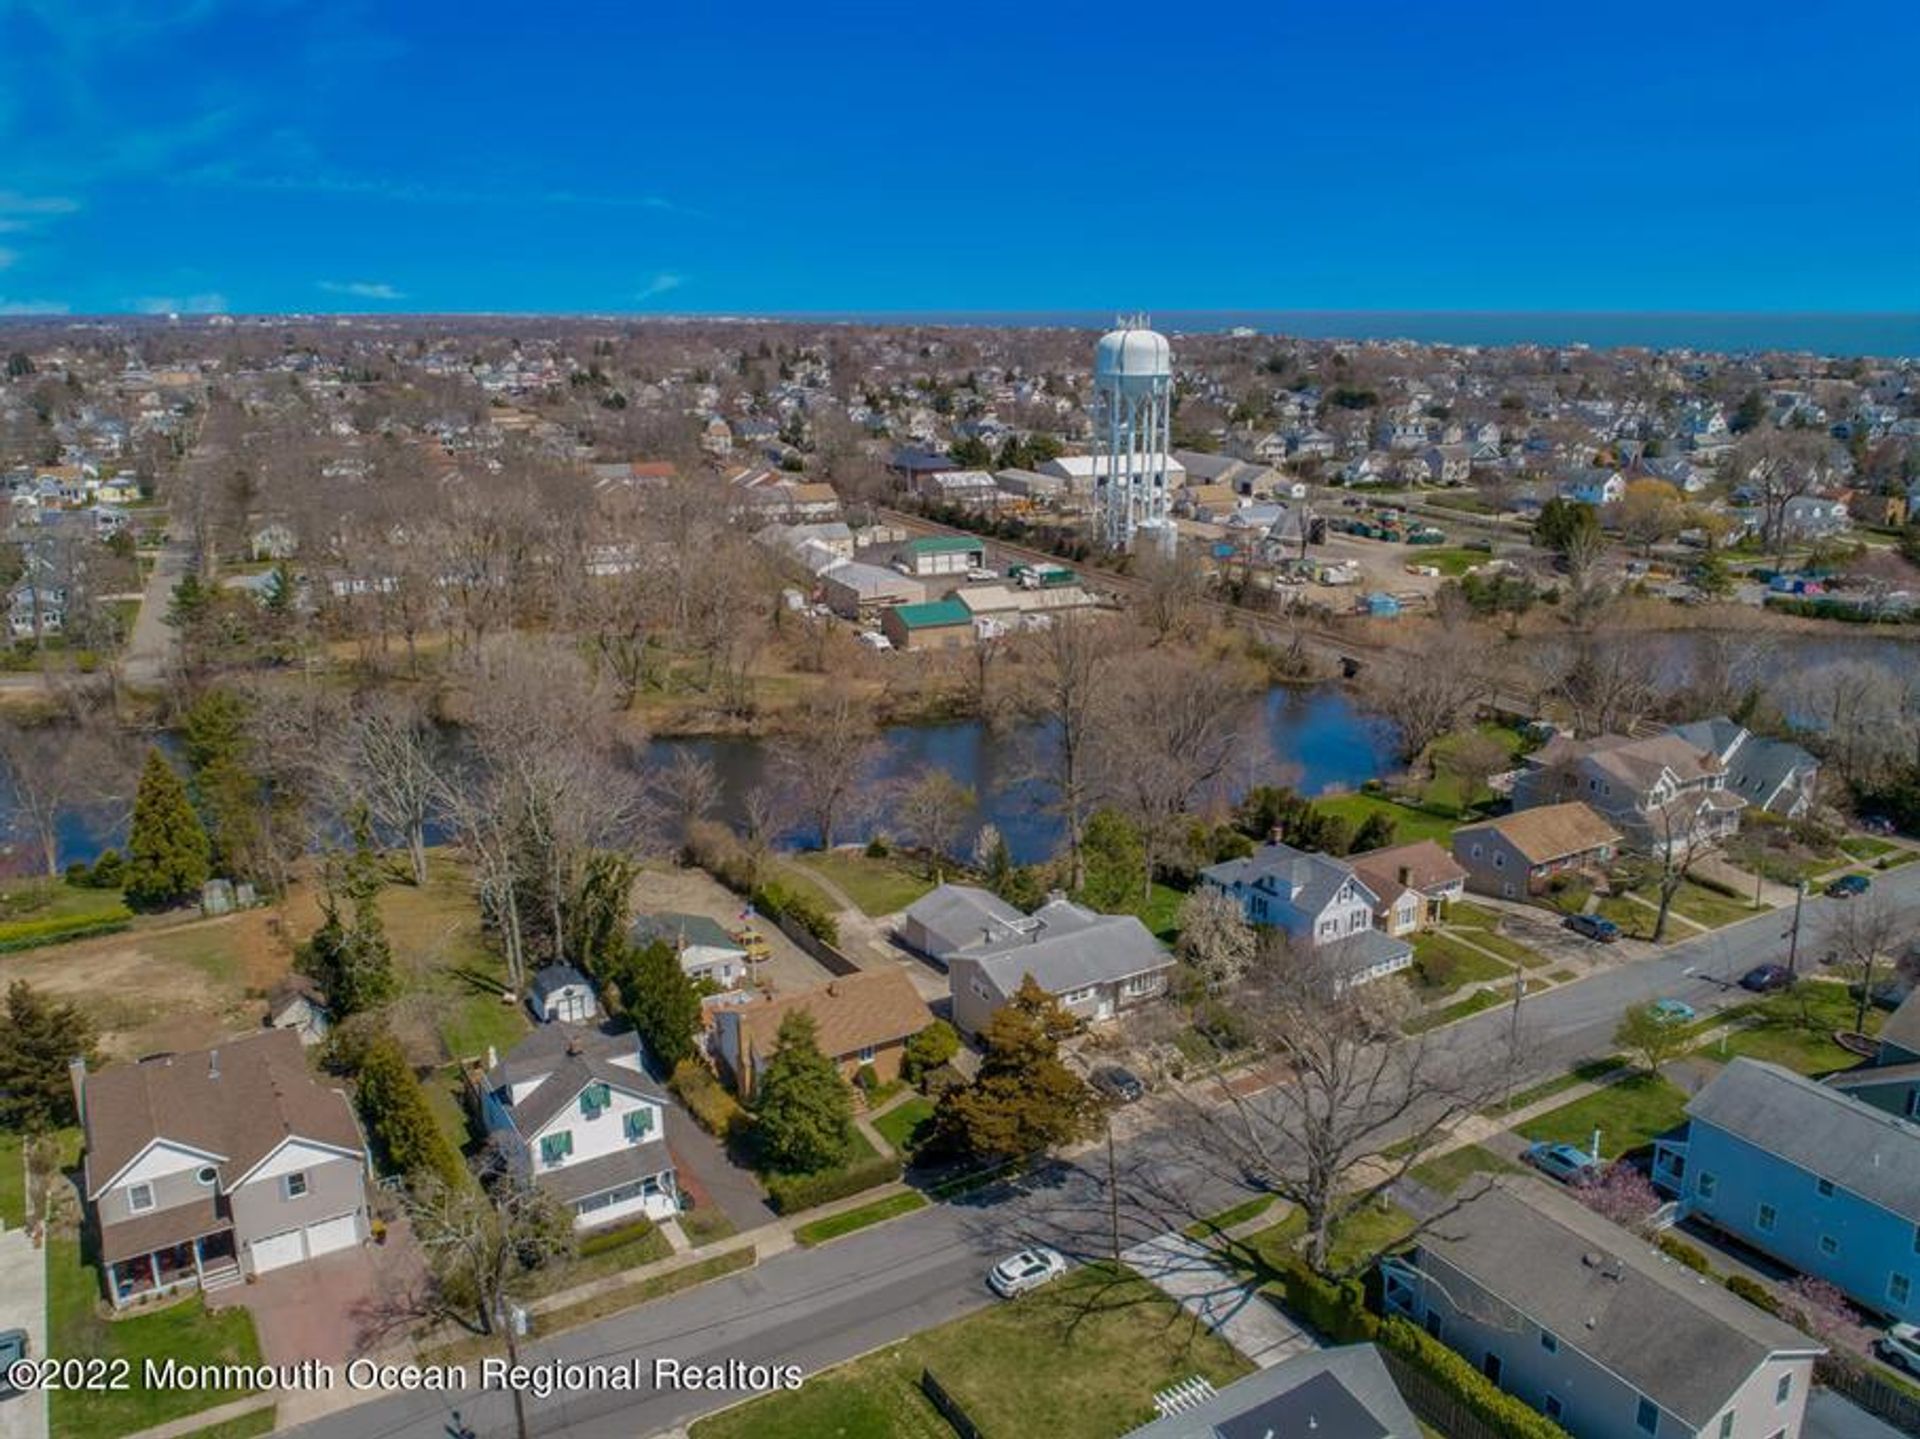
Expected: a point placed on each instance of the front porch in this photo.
(208, 1261)
(657, 1197)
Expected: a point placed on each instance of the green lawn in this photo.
(13, 1182)
(1409, 824)
(1795, 1029)
(847, 1222)
(1447, 1172)
(1080, 1359)
(1635, 919)
(1464, 914)
(1371, 1230)
(260, 1421)
(644, 1246)
(1628, 1115)
(473, 1021)
(1226, 1219)
(1866, 846)
(1162, 912)
(30, 899)
(877, 886)
(706, 1223)
(1584, 1073)
(183, 1331)
(901, 1124)
(1480, 999)
(1508, 949)
(1449, 561)
(1442, 965)
(1707, 907)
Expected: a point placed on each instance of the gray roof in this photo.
(626, 1165)
(555, 977)
(955, 917)
(1307, 881)
(1902, 1029)
(1354, 953)
(1068, 948)
(1863, 1150)
(1676, 1336)
(542, 1050)
(1756, 766)
(1328, 1394)
(680, 930)
(572, 1074)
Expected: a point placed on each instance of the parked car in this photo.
(981, 572)
(874, 640)
(13, 1348)
(1848, 886)
(1117, 1082)
(1593, 926)
(1672, 1011)
(1765, 978)
(1900, 1347)
(1877, 824)
(1567, 1163)
(1027, 1270)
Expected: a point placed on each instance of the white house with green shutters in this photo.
(572, 1109)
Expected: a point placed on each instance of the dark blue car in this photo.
(1593, 926)
(1848, 886)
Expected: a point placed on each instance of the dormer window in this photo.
(594, 1100)
(140, 1198)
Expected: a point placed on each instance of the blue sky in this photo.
(416, 155)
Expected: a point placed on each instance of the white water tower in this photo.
(1133, 425)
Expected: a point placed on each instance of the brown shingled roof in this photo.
(1550, 831)
(238, 1101)
(1428, 866)
(852, 1013)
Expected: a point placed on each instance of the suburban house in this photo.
(1594, 485)
(1095, 965)
(1516, 854)
(1662, 793)
(862, 1021)
(572, 1109)
(1769, 774)
(296, 1003)
(936, 625)
(1589, 1324)
(705, 949)
(1343, 1393)
(1805, 1172)
(1415, 884)
(1321, 902)
(1891, 1081)
(561, 994)
(218, 1165)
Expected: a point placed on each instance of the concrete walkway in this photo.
(1186, 1271)
(144, 665)
(23, 1305)
(862, 938)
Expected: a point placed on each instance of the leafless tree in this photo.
(393, 759)
(1780, 466)
(1867, 931)
(824, 759)
(1611, 684)
(1216, 939)
(1430, 692)
(1168, 596)
(1358, 1106)
(1683, 836)
(936, 809)
(689, 788)
(55, 771)
(1076, 664)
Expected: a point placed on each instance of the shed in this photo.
(561, 993)
(938, 624)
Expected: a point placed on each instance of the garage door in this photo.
(276, 1251)
(331, 1234)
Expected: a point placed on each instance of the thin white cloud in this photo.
(660, 284)
(208, 303)
(35, 307)
(17, 203)
(7, 257)
(363, 289)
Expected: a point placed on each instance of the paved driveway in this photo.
(23, 1305)
(1186, 1271)
(330, 1308)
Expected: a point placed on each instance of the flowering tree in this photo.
(1823, 1311)
(1622, 1194)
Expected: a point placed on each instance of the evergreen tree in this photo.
(1563, 524)
(352, 963)
(803, 1108)
(1025, 1100)
(656, 995)
(1114, 856)
(598, 918)
(38, 1038)
(167, 851)
(395, 1108)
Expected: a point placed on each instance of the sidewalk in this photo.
(1185, 1270)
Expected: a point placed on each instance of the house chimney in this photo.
(77, 1074)
(1406, 876)
(213, 1064)
(493, 1057)
(833, 988)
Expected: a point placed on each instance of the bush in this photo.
(775, 900)
(1479, 1395)
(928, 1050)
(605, 1240)
(1682, 1252)
(707, 1100)
(791, 1193)
(399, 1118)
(1754, 1292)
(717, 850)
(877, 847)
(1337, 1310)
(31, 933)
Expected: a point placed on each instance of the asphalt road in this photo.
(816, 1308)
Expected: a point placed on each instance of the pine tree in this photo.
(1025, 1100)
(657, 996)
(167, 852)
(353, 963)
(38, 1039)
(396, 1111)
(803, 1109)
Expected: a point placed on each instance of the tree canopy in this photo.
(38, 1040)
(803, 1110)
(167, 851)
(1025, 1100)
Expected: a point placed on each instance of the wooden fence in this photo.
(1872, 1393)
(948, 1406)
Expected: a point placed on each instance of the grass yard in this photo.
(1372, 1230)
(1161, 914)
(13, 1181)
(1445, 1173)
(260, 1421)
(1479, 1000)
(902, 1124)
(1628, 1115)
(1464, 914)
(1635, 919)
(31, 899)
(644, 1246)
(1707, 907)
(1589, 1072)
(1442, 965)
(1080, 1359)
(877, 886)
(1450, 562)
(1508, 949)
(706, 1224)
(1866, 846)
(183, 1331)
(1241, 1213)
(1409, 823)
(820, 1231)
(1795, 1029)
(616, 1301)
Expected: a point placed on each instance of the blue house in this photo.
(1807, 1173)
(1892, 1081)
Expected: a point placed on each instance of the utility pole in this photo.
(1113, 1190)
(1793, 935)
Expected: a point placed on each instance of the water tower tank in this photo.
(1132, 359)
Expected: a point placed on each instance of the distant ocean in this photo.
(1885, 336)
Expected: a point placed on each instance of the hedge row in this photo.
(774, 899)
(600, 1241)
(1339, 1311)
(791, 1193)
(31, 933)
(707, 1100)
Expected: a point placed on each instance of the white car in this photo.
(981, 572)
(1029, 1269)
(874, 640)
(1900, 1347)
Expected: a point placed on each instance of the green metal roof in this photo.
(944, 544)
(933, 614)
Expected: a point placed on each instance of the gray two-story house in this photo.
(1662, 793)
(1596, 1329)
(1808, 1173)
(1320, 902)
(218, 1165)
